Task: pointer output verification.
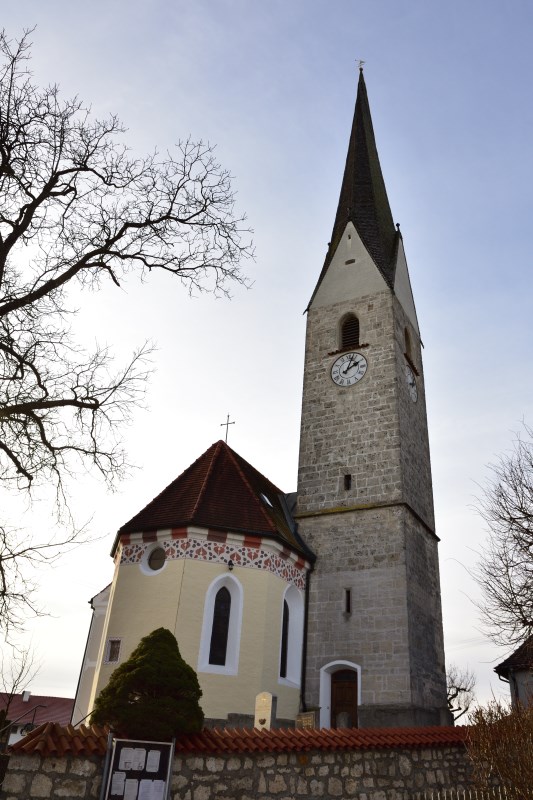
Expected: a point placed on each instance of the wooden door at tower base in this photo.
(344, 699)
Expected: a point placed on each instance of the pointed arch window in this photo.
(220, 629)
(349, 332)
(284, 641)
(292, 621)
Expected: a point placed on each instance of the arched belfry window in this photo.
(349, 332)
(220, 629)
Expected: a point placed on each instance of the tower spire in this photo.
(363, 198)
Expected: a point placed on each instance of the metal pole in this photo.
(107, 763)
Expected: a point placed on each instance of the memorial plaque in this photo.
(306, 719)
(265, 710)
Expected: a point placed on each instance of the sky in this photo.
(273, 86)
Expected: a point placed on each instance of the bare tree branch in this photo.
(19, 556)
(17, 669)
(76, 209)
(505, 571)
(460, 685)
(500, 745)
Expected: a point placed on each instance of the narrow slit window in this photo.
(220, 629)
(284, 641)
(347, 482)
(347, 601)
(350, 332)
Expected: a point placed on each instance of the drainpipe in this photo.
(303, 706)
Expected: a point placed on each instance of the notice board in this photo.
(139, 770)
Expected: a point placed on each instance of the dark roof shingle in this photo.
(521, 659)
(363, 197)
(221, 490)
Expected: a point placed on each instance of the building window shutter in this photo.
(220, 629)
(350, 332)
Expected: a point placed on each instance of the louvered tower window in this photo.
(407, 338)
(220, 630)
(350, 332)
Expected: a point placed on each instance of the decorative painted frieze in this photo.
(280, 563)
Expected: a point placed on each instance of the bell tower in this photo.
(374, 653)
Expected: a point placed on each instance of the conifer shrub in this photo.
(154, 695)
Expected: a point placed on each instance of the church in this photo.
(327, 598)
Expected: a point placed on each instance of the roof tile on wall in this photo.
(51, 739)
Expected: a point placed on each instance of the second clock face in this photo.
(411, 383)
(348, 369)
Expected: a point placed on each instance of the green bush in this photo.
(154, 695)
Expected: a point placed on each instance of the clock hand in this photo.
(347, 367)
(352, 362)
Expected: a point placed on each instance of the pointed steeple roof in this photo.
(221, 491)
(363, 198)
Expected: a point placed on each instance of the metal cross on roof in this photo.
(227, 423)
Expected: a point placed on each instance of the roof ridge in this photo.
(216, 451)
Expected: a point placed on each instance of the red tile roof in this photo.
(521, 659)
(53, 740)
(52, 709)
(220, 490)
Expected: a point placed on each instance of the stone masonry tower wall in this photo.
(365, 504)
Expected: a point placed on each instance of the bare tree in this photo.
(460, 685)
(76, 208)
(500, 744)
(505, 572)
(16, 673)
(20, 558)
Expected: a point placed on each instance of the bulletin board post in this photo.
(138, 770)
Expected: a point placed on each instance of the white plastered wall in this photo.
(349, 281)
(402, 287)
(174, 598)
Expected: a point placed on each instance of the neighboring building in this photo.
(27, 711)
(518, 671)
(329, 599)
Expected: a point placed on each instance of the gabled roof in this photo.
(221, 490)
(53, 740)
(521, 659)
(363, 198)
(51, 709)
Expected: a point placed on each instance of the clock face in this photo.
(411, 383)
(348, 369)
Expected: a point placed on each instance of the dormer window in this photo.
(349, 332)
(266, 500)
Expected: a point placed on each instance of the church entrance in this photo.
(344, 699)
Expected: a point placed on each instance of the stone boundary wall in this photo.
(400, 774)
